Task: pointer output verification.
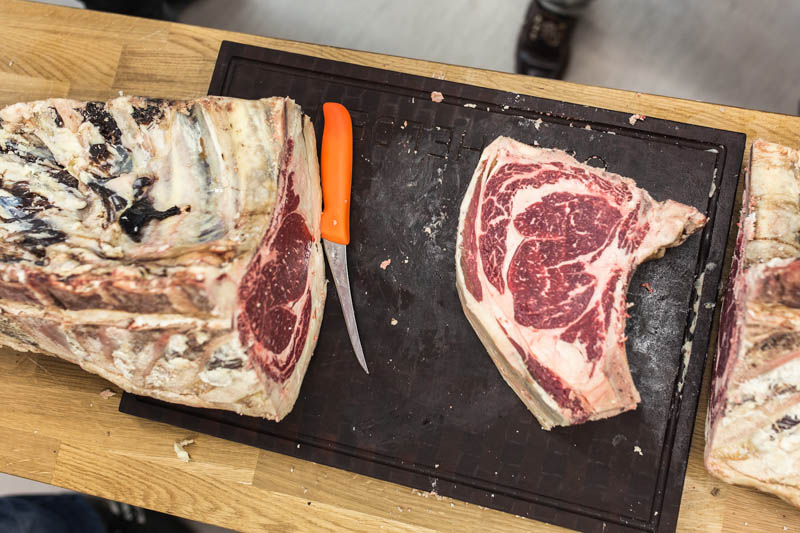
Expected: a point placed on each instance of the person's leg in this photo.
(566, 8)
(154, 9)
(543, 44)
(64, 513)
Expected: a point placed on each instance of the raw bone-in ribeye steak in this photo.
(171, 247)
(546, 248)
(753, 424)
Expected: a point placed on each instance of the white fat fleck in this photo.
(472, 106)
(637, 449)
(21, 275)
(219, 377)
(776, 452)
(713, 150)
(686, 350)
(176, 345)
(761, 386)
(537, 123)
(393, 322)
(75, 345)
(123, 363)
(698, 291)
(713, 184)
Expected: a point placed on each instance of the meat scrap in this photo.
(546, 247)
(172, 247)
(634, 118)
(436, 96)
(648, 287)
(178, 447)
(753, 424)
(107, 394)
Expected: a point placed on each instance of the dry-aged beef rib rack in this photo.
(753, 424)
(546, 247)
(171, 247)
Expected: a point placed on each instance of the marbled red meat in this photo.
(546, 247)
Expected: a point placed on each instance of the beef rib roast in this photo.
(753, 424)
(172, 247)
(546, 248)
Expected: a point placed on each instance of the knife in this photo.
(336, 167)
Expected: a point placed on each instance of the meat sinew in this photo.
(171, 247)
(753, 424)
(546, 248)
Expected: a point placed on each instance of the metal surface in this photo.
(337, 261)
(434, 413)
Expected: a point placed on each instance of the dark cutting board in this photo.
(435, 413)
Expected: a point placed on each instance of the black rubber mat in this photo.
(435, 414)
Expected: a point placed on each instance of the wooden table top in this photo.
(56, 428)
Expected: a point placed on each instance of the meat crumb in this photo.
(437, 97)
(385, 264)
(648, 287)
(393, 322)
(107, 393)
(638, 450)
(182, 454)
(635, 117)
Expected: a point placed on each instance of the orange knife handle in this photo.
(336, 167)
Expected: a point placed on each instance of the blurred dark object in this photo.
(63, 513)
(543, 46)
(76, 513)
(152, 9)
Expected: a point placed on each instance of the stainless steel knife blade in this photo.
(337, 260)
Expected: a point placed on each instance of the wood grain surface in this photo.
(56, 428)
